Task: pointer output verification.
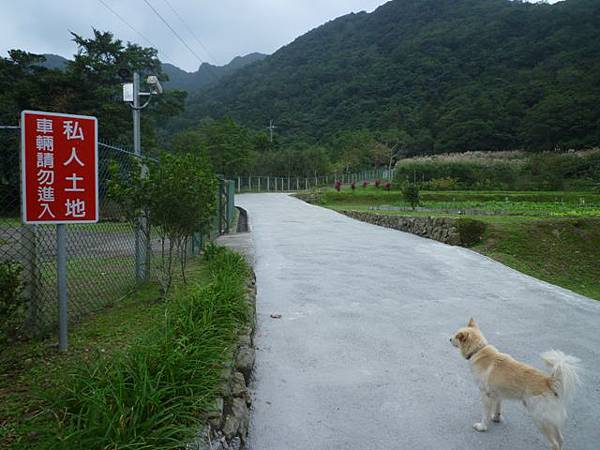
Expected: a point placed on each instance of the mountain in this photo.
(206, 74)
(445, 74)
(54, 61)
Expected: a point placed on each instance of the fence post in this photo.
(239, 185)
(258, 184)
(297, 183)
(269, 184)
(30, 274)
(249, 183)
(221, 182)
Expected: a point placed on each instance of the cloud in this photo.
(226, 28)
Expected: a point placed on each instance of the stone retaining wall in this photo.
(439, 228)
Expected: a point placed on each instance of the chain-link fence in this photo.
(295, 184)
(101, 257)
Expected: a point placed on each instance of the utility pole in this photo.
(140, 247)
(271, 128)
(132, 94)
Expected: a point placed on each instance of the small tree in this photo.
(176, 196)
(338, 185)
(377, 183)
(353, 186)
(365, 184)
(387, 186)
(412, 195)
(182, 202)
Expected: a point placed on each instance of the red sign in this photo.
(59, 168)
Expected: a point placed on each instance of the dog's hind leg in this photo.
(498, 412)
(489, 404)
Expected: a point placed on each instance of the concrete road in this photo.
(360, 358)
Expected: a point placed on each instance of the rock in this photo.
(237, 422)
(238, 386)
(244, 361)
(235, 444)
(241, 411)
(246, 337)
(202, 442)
(231, 427)
(215, 414)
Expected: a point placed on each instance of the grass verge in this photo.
(138, 376)
(562, 252)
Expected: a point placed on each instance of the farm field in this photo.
(552, 235)
(489, 206)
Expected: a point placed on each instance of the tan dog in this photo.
(500, 377)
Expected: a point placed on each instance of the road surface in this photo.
(361, 357)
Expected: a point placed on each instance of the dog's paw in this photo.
(480, 427)
(498, 418)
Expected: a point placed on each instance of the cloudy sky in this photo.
(216, 31)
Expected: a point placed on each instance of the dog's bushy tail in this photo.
(565, 373)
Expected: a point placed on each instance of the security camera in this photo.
(155, 85)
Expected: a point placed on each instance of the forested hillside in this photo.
(447, 75)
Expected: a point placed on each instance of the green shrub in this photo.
(152, 395)
(470, 231)
(411, 194)
(442, 184)
(12, 307)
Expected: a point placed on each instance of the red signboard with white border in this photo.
(59, 168)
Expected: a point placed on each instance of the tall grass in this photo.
(151, 396)
(504, 170)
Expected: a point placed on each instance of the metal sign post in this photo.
(59, 176)
(61, 284)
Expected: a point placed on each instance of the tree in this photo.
(391, 143)
(227, 145)
(90, 85)
(96, 86)
(411, 194)
(176, 197)
(182, 202)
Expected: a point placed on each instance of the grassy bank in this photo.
(562, 252)
(553, 236)
(138, 375)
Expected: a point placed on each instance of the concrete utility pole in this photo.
(271, 128)
(132, 94)
(140, 247)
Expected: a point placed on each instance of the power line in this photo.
(118, 16)
(194, 35)
(209, 68)
(173, 30)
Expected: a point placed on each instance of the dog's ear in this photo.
(472, 323)
(462, 336)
